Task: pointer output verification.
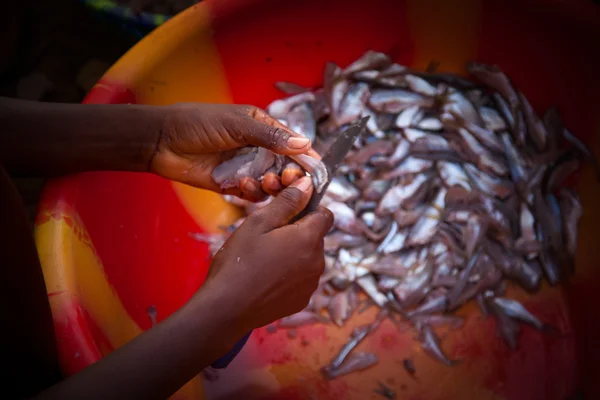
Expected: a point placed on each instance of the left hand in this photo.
(195, 138)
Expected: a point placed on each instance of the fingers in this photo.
(291, 175)
(317, 223)
(251, 190)
(265, 131)
(284, 207)
(271, 184)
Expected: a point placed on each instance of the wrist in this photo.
(223, 314)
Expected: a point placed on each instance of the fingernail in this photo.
(303, 184)
(297, 143)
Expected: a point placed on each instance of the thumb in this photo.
(265, 131)
(288, 203)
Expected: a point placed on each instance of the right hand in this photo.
(270, 268)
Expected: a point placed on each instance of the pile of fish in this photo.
(456, 188)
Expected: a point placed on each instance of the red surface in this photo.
(140, 229)
(545, 46)
(281, 43)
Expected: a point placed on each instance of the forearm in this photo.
(47, 139)
(160, 361)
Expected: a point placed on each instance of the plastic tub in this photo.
(114, 244)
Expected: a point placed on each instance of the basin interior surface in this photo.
(115, 247)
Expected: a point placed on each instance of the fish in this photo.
(301, 318)
(435, 304)
(358, 334)
(430, 124)
(378, 147)
(291, 88)
(425, 228)
(484, 159)
(493, 76)
(354, 362)
(489, 184)
(368, 284)
(399, 154)
(431, 144)
(457, 290)
(390, 266)
(457, 104)
(368, 61)
(352, 104)
(420, 85)
(280, 108)
(345, 218)
(507, 327)
(571, 211)
(395, 196)
(474, 234)
(492, 119)
(341, 189)
(435, 320)
(528, 274)
(516, 310)
(486, 137)
(339, 308)
(396, 100)
(455, 188)
(431, 345)
(453, 174)
(411, 165)
(409, 117)
(301, 120)
(405, 218)
(338, 239)
(316, 169)
(414, 287)
(535, 127)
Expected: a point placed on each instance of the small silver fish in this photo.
(280, 108)
(409, 117)
(354, 362)
(514, 309)
(453, 174)
(430, 124)
(301, 318)
(398, 194)
(368, 284)
(396, 100)
(420, 85)
(492, 119)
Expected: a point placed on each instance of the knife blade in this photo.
(333, 159)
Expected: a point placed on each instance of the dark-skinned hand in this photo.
(272, 266)
(195, 138)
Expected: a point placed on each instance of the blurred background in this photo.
(56, 50)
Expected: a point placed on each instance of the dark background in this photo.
(55, 51)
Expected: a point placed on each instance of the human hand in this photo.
(196, 138)
(269, 269)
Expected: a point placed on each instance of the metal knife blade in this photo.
(333, 159)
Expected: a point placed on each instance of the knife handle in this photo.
(224, 361)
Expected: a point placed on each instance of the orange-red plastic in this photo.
(113, 244)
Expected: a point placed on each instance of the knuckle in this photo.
(290, 197)
(276, 136)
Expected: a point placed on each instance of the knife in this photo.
(333, 159)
